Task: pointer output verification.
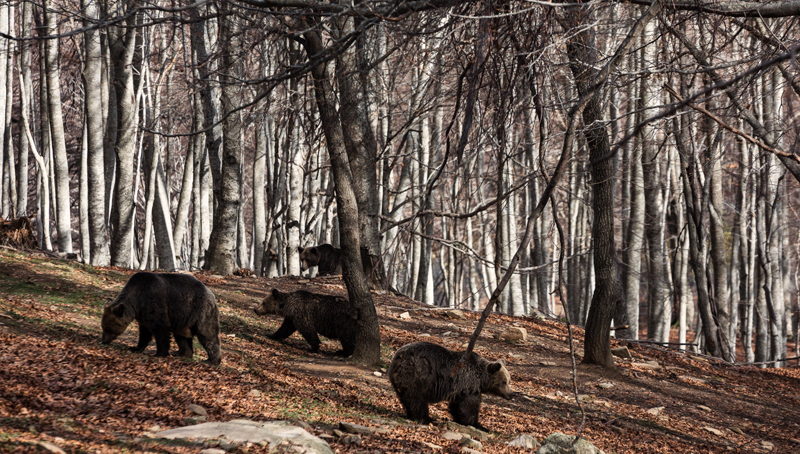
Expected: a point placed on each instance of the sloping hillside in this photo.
(60, 387)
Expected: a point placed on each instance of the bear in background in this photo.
(422, 373)
(325, 257)
(165, 305)
(312, 315)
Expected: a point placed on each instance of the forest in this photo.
(628, 166)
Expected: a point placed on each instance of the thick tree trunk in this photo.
(221, 257)
(367, 349)
(99, 240)
(24, 146)
(6, 94)
(123, 119)
(52, 73)
(259, 192)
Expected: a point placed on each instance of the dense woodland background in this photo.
(633, 162)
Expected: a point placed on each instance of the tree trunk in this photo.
(52, 73)
(99, 239)
(24, 146)
(123, 119)
(367, 342)
(221, 257)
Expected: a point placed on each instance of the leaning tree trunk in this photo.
(367, 340)
(58, 137)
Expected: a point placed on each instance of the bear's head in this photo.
(309, 257)
(272, 304)
(116, 318)
(499, 381)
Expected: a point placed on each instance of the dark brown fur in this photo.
(312, 315)
(165, 304)
(325, 257)
(422, 374)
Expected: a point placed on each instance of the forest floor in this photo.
(60, 388)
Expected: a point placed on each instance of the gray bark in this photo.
(99, 253)
(61, 166)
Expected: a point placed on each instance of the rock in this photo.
(425, 335)
(192, 420)
(452, 436)
(198, 410)
(655, 411)
(467, 430)
(648, 365)
(351, 439)
(355, 428)
(377, 374)
(585, 397)
(245, 431)
(622, 352)
(213, 451)
(303, 425)
(50, 447)
(254, 393)
(405, 316)
(713, 430)
(467, 442)
(525, 441)
(455, 314)
(466, 450)
(767, 445)
(739, 431)
(514, 334)
(431, 445)
(605, 385)
(704, 408)
(547, 363)
(155, 428)
(558, 443)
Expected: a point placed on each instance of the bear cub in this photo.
(325, 257)
(165, 305)
(421, 374)
(312, 315)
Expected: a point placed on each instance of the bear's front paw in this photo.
(135, 349)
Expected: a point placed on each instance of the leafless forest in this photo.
(633, 162)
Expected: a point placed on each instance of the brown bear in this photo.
(422, 373)
(165, 304)
(325, 257)
(312, 314)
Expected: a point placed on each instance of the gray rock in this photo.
(472, 432)
(466, 450)
(355, 428)
(622, 352)
(456, 314)
(558, 443)
(192, 420)
(254, 393)
(351, 439)
(245, 431)
(212, 451)
(452, 436)
(514, 334)
(198, 410)
(525, 441)
(467, 442)
(50, 447)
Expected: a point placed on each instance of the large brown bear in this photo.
(325, 257)
(422, 373)
(163, 305)
(312, 314)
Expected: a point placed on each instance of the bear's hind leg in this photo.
(185, 348)
(286, 330)
(415, 408)
(465, 408)
(163, 338)
(145, 336)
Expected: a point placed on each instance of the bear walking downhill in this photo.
(422, 373)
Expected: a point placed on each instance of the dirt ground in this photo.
(60, 387)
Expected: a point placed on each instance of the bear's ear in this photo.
(494, 367)
(300, 249)
(118, 310)
(275, 292)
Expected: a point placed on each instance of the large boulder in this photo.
(240, 431)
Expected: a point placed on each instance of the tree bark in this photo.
(52, 73)
(367, 349)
